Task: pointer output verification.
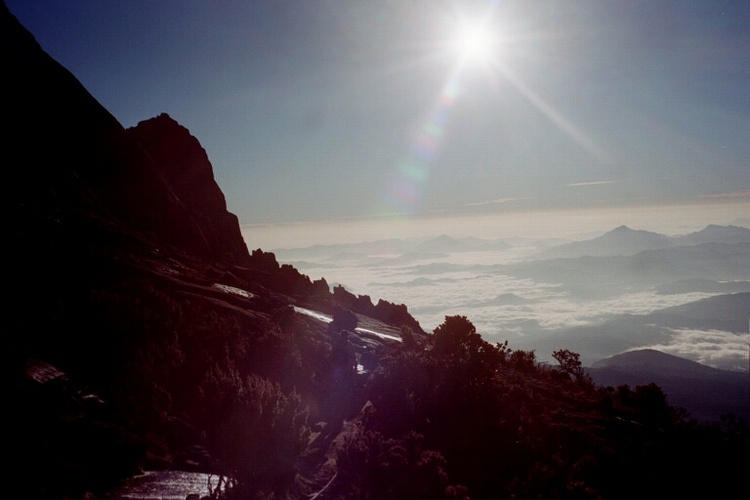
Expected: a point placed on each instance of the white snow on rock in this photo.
(234, 290)
(327, 319)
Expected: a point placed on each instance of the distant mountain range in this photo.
(705, 392)
(625, 241)
(706, 272)
(587, 275)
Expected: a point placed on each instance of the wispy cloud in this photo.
(723, 196)
(588, 184)
(497, 201)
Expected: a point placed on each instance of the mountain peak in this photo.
(718, 234)
(183, 164)
(76, 164)
(621, 240)
(624, 230)
(652, 359)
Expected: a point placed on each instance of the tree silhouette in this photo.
(570, 364)
(458, 336)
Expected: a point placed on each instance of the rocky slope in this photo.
(135, 309)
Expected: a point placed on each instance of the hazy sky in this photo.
(317, 109)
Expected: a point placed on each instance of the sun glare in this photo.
(475, 39)
(474, 43)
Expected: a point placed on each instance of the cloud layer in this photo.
(490, 288)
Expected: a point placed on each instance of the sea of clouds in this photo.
(529, 312)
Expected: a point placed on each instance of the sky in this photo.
(319, 110)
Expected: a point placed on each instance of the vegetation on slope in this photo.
(186, 377)
(471, 419)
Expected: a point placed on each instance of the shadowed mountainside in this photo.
(137, 321)
(704, 391)
(141, 334)
(621, 332)
(179, 159)
(70, 162)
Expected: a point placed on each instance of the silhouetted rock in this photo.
(59, 436)
(70, 163)
(95, 223)
(394, 314)
(184, 165)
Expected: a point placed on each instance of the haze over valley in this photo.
(523, 125)
(687, 295)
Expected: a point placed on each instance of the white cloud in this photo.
(587, 184)
(732, 195)
(497, 201)
(716, 348)
(471, 284)
(466, 292)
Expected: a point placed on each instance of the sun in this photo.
(474, 42)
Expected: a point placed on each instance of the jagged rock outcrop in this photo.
(387, 312)
(184, 165)
(69, 163)
(127, 273)
(92, 223)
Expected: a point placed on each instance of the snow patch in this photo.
(381, 335)
(234, 290)
(327, 319)
(313, 314)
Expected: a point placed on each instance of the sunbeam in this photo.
(553, 115)
(476, 42)
(473, 43)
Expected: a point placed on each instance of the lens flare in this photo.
(473, 42)
(405, 191)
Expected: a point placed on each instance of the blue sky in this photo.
(321, 109)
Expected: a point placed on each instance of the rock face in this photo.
(183, 164)
(87, 208)
(68, 161)
(125, 272)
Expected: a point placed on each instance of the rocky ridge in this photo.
(135, 302)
